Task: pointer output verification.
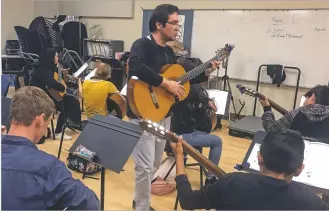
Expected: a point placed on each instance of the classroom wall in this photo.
(131, 29)
(14, 13)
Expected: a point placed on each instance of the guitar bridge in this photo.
(154, 98)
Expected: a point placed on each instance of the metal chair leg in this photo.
(61, 143)
(52, 129)
(201, 176)
(176, 202)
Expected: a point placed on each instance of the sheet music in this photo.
(80, 70)
(315, 173)
(91, 74)
(220, 98)
(124, 90)
(302, 100)
(253, 157)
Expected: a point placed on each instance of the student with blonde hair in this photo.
(96, 90)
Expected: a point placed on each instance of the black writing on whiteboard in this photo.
(277, 21)
(317, 29)
(294, 36)
(285, 35)
(275, 30)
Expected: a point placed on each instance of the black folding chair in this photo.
(72, 116)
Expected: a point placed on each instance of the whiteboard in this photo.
(291, 38)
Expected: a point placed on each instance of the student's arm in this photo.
(205, 198)
(62, 191)
(80, 87)
(138, 67)
(272, 125)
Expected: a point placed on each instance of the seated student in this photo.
(190, 118)
(96, 90)
(32, 179)
(280, 159)
(311, 120)
(43, 77)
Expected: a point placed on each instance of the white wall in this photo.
(14, 13)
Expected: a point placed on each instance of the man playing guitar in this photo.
(148, 56)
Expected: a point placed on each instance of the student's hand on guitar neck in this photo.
(174, 87)
(214, 65)
(179, 155)
(177, 147)
(264, 102)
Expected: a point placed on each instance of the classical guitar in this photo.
(159, 131)
(154, 103)
(245, 90)
(57, 95)
(116, 98)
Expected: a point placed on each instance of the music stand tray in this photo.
(112, 139)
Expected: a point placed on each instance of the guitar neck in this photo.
(273, 105)
(194, 73)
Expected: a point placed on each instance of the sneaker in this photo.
(210, 181)
(65, 138)
(134, 206)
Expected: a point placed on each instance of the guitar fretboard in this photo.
(195, 72)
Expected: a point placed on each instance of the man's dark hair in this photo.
(321, 94)
(283, 152)
(161, 14)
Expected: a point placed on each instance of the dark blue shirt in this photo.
(33, 180)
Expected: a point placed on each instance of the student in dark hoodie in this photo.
(43, 77)
(311, 120)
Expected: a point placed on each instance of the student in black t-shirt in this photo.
(280, 159)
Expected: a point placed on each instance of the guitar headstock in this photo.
(158, 130)
(224, 53)
(246, 90)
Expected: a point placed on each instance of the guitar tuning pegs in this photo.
(161, 128)
(155, 124)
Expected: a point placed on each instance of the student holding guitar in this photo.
(43, 77)
(96, 90)
(311, 120)
(280, 158)
(192, 118)
(147, 56)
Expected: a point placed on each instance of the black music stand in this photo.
(113, 141)
(117, 70)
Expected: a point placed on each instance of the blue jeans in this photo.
(202, 139)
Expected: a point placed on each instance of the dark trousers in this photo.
(61, 119)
